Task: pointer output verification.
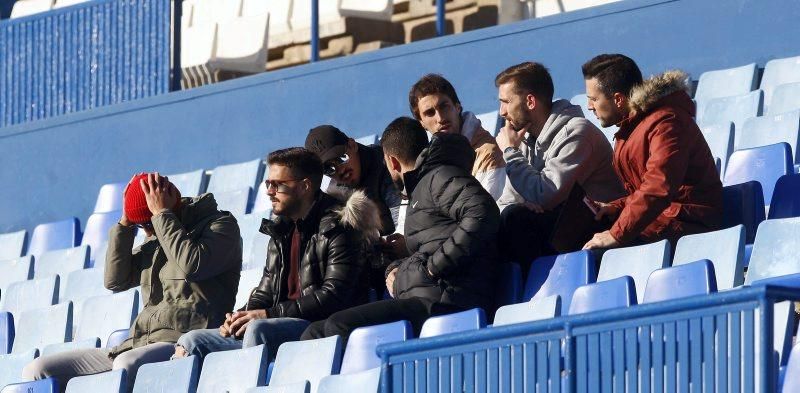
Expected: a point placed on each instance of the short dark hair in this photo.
(404, 138)
(529, 77)
(615, 73)
(301, 162)
(428, 85)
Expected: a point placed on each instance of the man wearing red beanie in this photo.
(188, 269)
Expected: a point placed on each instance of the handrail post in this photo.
(440, 20)
(314, 30)
(176, 72)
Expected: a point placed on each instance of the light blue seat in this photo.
(235, 371)
(637, 262)
(296, 387)
(604, 295)
(83, 284)
(776, 251)
(107, 382)
(61, 263)
(117, 337)
(174, 376)
(472, 319)
(786, 197)
(190, 184)
(11, 366)
(559, 275)
(791, 381)
(54, 236)
(47, 385)
(19, 269)
(778, 72)
(235, 201)
(508, 286)
(368, 140)
(309, 360)
(360, 355)
(109, 198)
(725, 250)
(532, 310)
(725, 83)
(43, 326)
(99, 255)
(248, 280)
(763, 164)
(12, 244)
(771, 129)
(736, 109)
(582, 101)
(53, 349)
(103, 315)
(261, 204)
(491, 121)
(785, 98)
(233, 177)
(29, 295)
(254, 243)
(96, 232)
(690, 279)
(719, 138)
(6, 332)
(366, 381)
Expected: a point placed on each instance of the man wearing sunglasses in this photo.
(188, 270)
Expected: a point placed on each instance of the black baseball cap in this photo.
(327, 142)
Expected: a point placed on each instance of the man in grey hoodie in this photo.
(549, 147)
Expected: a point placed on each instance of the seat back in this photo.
(234, 371)
(532, 310)
(29, 295)
(559, 275)
(11, 366)
(690, 279)
(30, 7)
(109, 198)
(778, 72)
(61, 263)
(719, 138)
(309, 360)
(363, 381)
(48, 385)
(248, 280)
(261, 202)
(178, 376)
(786, 197)
(43, 326)
(785, 98)
(725, 250)
(725, 83)
(472, 319)
(103, 315)
(14, 270)
(12, 244)
(736, 109)
(237, 176)
(508, 289)
(236, 202)
(81, 285)
(96, 232)
(190, 184)
(603, 295)
(360, 353)
(490, 121)
(791, 381)
(770, 129)
(638, 262)
(107, 382)
(743, 204)
(7, 332)
(242, 44)
(776, 251)
(55, 236)
(763, 164)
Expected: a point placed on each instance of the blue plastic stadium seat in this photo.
(262, 204)
(603, 295)
(109, 198)
(19, 269)
(791, 380)
(725, 250)
(61, 263)
(533, 310)
(785, 98)
(29, 295)
(719, 138)
(103, 315)
(235, 371)
(559, 275)
(582, 101)
(778, 72)
(11, 366)
(48, 385)
(189, 184)
(6, 332)
(786, 197)
(53, 349)
(508, 289)
(309, 360)
(83, 284)
(472, 319)
(690, 279)
(366, 381)
(237, 176)
(43, 326)
(360, 352)
(254, 243)
(763, 164)
(725, 83)
(295, 387)
(637, 262)
(107, 382)
(235, 201)
(368, 140)
(248, 280)
(178, 376)
(491, 121)
(743, 204)
(771, 129)
(776, 250)
(12, 244)
(96, 233)
(54, 236)
(117, 337)
(736, 109)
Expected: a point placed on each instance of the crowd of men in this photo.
(548, 183)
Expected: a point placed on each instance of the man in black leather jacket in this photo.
(449, 249)
(315, 265)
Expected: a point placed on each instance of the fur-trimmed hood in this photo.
(361, 213)
(644, 97)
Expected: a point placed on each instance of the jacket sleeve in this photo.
(553, 184)
(463, 199)
(340, 283)
(123, 265)
(665, 171)
(216, 250)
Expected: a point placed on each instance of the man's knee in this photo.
(314, 330)
(338, 324)
(512, 214)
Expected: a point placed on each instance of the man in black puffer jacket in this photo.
(450, 235)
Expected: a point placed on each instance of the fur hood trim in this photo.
(651, 91)
(361, 214)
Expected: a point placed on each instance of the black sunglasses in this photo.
(330, 166)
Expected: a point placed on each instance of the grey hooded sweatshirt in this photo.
(569, 149)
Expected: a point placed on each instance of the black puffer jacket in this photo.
(451, 228)
(332, 267)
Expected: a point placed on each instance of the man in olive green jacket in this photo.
(188, 270)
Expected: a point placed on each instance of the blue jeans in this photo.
(272, 332)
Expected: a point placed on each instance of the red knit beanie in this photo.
(136, 210)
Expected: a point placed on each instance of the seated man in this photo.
(661, 156)
(188, 269)
(434, 102)
(549, 148)
(315, 264)
(451, 230)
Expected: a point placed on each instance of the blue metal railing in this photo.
(719, 342)
(85, 56)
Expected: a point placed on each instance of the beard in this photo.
(286, 207)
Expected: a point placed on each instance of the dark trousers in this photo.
(342, 323)
(525, 235)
